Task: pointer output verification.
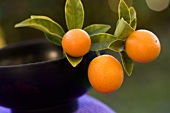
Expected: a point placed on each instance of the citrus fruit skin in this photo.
(76, 42)
(143, 46)
(105, 74)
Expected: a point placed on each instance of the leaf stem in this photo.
(97, 53)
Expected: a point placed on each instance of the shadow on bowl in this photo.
(35, 77)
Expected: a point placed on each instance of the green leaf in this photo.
(117, 46)
(127, 63)
(52, 38)
(101, 41)
(74, 61)
(41, 17)
(132, 13)
(42, 23)
(123, 30)
(53, 31)
(133, 22)
(97, 28)
(74, 14)
(123, 11)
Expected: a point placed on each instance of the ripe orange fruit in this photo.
(105, 74)
(142, 46)
(76, 42)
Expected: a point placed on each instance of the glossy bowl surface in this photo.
(35, 74)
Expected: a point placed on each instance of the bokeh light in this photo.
(158, 5)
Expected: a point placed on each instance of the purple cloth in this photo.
(87, 104)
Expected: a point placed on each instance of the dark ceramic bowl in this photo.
(35, 77)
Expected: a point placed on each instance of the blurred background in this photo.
(147, 90)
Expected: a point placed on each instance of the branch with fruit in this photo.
(105, 72)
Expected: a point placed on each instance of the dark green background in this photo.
(147, 90)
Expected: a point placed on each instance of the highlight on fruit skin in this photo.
(105, 74)
(143, 46)
(76, 42)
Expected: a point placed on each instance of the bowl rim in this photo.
(26, 43)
